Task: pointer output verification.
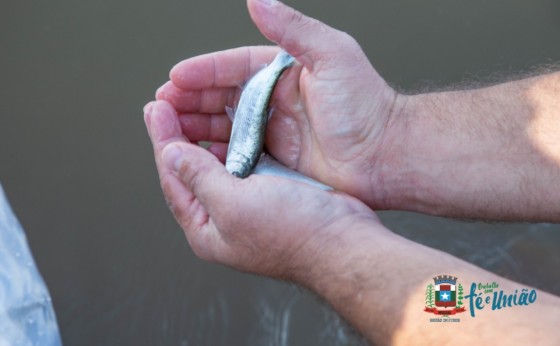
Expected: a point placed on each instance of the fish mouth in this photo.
(237, 168)
(238, 172)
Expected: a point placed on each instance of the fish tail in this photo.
(284, 59)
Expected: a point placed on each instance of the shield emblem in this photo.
(442, 297)
(445, 295)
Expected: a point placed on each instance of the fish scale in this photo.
(251, 116)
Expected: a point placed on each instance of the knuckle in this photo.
(296, 24)
(350, 44)
(296, 19)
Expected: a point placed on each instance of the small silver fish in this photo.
(267, 165)
(250, 118)
(245, 151)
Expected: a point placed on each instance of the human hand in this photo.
(328, 242)
(333, 113)
(262, 224)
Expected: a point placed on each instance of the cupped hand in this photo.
(262, 224)
(333, 114)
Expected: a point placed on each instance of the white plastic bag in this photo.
(26, 313)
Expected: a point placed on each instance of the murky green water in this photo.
(78, 169)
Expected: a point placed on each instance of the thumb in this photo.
(200, 171)
(307, 39)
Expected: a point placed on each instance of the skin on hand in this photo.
(262, 224)
(333, 112)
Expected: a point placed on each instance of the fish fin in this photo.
(230, 112)
(270, 111)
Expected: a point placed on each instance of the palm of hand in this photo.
(262, 224)
(279, 238)
(329, 120)
(329, 123)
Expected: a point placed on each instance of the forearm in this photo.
(377, 281)
(491, 153)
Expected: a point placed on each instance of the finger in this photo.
(229, 68)
(308, 40)
(206, 127)
(201, 173)
(212, 100)
(163, 127)
(219, 150)
(162, 123)
(191, 216)
(147, 111)
(217, 194)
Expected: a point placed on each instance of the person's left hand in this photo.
(262, 224)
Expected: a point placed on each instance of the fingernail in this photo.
(172, 157)
(268, 2)
(148, 108)
(160, 95)
(156, 118)
(147, 112)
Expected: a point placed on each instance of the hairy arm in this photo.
(490, 153)
(377, 281)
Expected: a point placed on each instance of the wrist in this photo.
(425, 154)
(441, 155)
(327, 256)
(335, 256)
(349, 271)
(393, 177)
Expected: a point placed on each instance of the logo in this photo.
(444, 296)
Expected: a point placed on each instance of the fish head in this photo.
(238, 167)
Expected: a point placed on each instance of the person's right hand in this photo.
(333, 117)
